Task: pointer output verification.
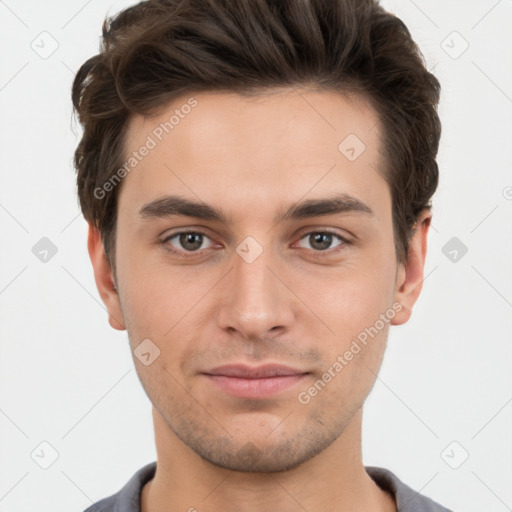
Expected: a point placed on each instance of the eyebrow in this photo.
(169, 206)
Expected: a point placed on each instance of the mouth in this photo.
(254, 382)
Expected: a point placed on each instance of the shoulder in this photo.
(407, 499)
(128, 498)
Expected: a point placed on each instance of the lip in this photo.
(254, 372)
(254, 382)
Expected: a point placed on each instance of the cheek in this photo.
(165, 304)
(350, 299)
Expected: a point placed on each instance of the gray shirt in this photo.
(408, 500)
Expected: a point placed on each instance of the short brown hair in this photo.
(160, 49)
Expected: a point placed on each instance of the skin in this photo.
(294, 304)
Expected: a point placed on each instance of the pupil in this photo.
(195, 239)
(319, 237)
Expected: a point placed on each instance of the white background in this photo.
(68, 379)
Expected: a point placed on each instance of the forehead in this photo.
(296, 113)
(256, 149)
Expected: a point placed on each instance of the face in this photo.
(289, 262)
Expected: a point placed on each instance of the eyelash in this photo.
(188, 254)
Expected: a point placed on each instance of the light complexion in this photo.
(300, 303)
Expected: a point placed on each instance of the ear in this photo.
(104, 279)
(410, 274)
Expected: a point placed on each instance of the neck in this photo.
(185, 481)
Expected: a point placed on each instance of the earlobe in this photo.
(410, 274)
(104, 279)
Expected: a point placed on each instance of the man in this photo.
(257, 177)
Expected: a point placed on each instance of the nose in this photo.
(256, 301)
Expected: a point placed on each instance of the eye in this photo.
(191, 242)
(321, 240)
(186, 241)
